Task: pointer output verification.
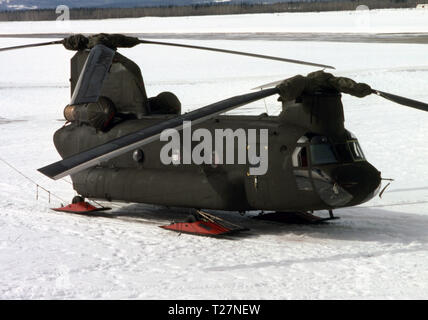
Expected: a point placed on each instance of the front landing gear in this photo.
(295, 217)
(80, 206)
(204, 224)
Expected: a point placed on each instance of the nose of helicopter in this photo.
(360, 179)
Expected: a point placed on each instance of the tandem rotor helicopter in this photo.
(111, 144)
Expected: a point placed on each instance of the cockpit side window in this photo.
(350, 151)
(356, 151)
(303, 158)
(300, 157)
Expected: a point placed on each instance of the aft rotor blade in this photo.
(32, 45)
(93, 74)
(172, 44)
(402, 100)
(132, 141)
(268, 85)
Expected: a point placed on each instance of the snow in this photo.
(375, 251)
(373, 21)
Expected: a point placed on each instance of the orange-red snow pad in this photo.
(80, 207)
(204, 228)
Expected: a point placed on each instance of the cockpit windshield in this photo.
(344, 152)
(323, 152)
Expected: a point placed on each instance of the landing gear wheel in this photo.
(77, 199)
(190, 219)
(193, 217)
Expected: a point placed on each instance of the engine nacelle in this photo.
(97, 114)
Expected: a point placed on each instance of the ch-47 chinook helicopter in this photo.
(111, 143)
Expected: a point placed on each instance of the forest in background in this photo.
(203, 9)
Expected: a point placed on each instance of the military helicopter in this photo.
(111, 142)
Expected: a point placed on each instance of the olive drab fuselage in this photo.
(314, 163)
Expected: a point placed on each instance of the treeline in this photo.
(204, 9)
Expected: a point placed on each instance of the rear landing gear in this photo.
(77, 199)
(80, 206)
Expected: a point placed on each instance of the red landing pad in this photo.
(205, 228)
(80, 207)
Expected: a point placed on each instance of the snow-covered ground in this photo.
(377, 250)
(392, 20)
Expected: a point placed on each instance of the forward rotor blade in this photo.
(132, 141)
(172, 44)
(32, 45)
(392, 97)
(92, 76)
(402, 100)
